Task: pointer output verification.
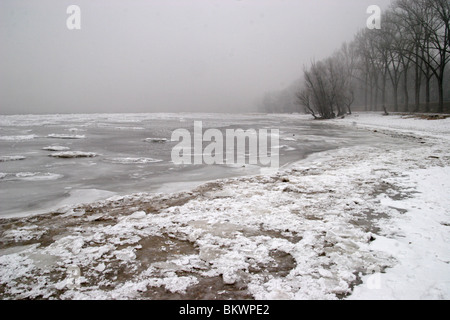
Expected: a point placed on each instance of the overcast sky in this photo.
(163, 55)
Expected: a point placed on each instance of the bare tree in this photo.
(328, 89)
(414, 42)
(413, 33)
(381, 59)
(429, 20)
(317, 83)
(304, 99)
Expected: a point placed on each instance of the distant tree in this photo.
(304, 99)
(318, 85)
(328, 90)
(411, 51)
(381, 44)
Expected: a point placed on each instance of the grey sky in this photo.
(163, 55)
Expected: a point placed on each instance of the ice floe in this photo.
(11, 158)
(73, 154)
(66, 136)
(56, 148)
(29, 176)
(19, 137)
(128, 160)
(129, 128)
(156, 140)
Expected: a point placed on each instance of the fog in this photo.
(163, 55)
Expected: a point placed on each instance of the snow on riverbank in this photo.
(316, 230)
(419, 239)
(400, 123)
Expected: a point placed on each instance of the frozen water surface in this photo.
(126, 153)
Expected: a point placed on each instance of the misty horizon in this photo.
(164, 56)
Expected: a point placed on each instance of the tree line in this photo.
(402, 66)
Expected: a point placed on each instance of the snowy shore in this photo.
(419, 238)
(353, 223)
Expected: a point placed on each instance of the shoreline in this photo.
(296, 234)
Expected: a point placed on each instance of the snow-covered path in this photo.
(357, 222)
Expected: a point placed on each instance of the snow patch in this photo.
(419, 240)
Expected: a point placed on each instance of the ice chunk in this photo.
(179, 284)
(11, 158)
(56, 148)
(125, 254)
(30, 176)
(132, 160)
(75, 129)
(66, 136)
(18, 138)
(135, 216)
(156, 140)
(230, 277)
(101, 267)
(25, 233)
(73, 154)
(138, 215)
(130, 128)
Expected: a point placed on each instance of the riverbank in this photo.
(419, 237)
(356, 222)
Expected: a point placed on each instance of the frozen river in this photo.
(325, 226)
(127, 153)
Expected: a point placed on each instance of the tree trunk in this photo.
(375, 108)
(427, 94)
(418, 81)
(374, 95)
(370, 93)
(417, 86)
(395, 97)
(383, 95)
(441, 94)
(366, 107)
(405, 90)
